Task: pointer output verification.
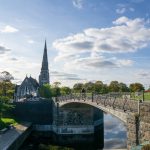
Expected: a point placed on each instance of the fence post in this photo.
(92, 96)
(143, 95)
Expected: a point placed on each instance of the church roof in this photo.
(29, 82)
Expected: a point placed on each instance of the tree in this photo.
(56, 84)
(136, 87)
(5, 82)
(123, 87)
(45, 91)
(56, 89)
(4, 105)
(98, 86)
(89, 86)
(65, 90)
(105, 89)
(114, 86)
(77, 87)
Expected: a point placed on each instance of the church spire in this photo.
(45, 60)
(44, 75)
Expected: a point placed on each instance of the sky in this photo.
(87, 40)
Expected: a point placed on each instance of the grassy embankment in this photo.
(4, 122)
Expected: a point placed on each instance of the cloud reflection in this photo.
(114, 132)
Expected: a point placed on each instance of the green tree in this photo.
(123, 87)
(5, 82)
(65, 90)
(136, 87)
(45, 91)
(4, 105)
(89, 87)
(114, 86)
(78, 87)
(98, 86)
(56, 89)
(105, 89)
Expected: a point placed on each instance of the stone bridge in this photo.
(134, 113)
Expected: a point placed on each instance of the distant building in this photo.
(29, 87)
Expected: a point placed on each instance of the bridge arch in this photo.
(120, 115)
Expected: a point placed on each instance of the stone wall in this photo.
(132, 130)
(138, 126)
(37, 112)
(144, 122)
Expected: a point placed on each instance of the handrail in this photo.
(121, 101)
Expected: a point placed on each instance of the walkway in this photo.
(8, 138)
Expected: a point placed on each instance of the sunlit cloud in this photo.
(9, 29)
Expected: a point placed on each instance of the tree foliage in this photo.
(136, 87)
(4, 105)
(65, 90)
(6, 86)
(78, 87)
(114, 86)
(45, 91)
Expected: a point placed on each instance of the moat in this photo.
(114, 137)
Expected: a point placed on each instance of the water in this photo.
(115, 134)
(114, 138)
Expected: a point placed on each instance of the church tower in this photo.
(44, 75)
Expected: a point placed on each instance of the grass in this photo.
(4, 122)
(147, 96)
(140, 97)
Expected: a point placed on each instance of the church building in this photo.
(29, 87)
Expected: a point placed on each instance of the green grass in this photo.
(147, 96)
(4, 122)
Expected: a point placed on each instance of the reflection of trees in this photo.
(74, 118)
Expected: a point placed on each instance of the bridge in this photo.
(116, 104)
(46, 113)
(134, 113)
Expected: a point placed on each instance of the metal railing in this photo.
(122, 101)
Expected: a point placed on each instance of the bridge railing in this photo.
(122, 101)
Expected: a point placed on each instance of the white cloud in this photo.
(31, 41)
(93, 63)
(126, 35)
(9, 29)
(89, 49)
(3, 49)
(120, 10)
(123, 8)
(65, 76)
(7, 63)
(77, 3)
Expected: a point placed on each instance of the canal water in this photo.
(114, 138)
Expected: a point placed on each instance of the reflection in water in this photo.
(114, 132)
(114, 137)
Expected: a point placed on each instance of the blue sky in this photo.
(87, 40)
